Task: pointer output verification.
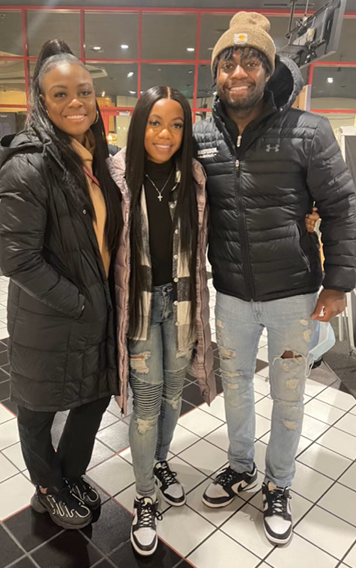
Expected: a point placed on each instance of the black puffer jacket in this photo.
(260, 192)
(60, 355)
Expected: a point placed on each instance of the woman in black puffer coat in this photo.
(60, 219)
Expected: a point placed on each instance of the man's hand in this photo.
(330, 303)
(311, 220)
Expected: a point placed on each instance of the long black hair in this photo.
(186, 211)
(53, 53)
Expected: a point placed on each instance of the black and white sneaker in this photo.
(86, 492)
(143, 530)
(227, 485)
(171, 490)
(277, 513)
(64, 508)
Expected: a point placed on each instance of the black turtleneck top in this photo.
(160, 220)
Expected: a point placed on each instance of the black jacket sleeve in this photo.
(333, 190)
(23, 221)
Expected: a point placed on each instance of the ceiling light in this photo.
(131, 74)
(190, 49)
(96, 48)
(210, 48)
(190, 71)
(330, 79)
(103, 94)
(124, 46)
(132, 92)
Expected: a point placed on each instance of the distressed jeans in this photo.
(157, 373)
(239, 326)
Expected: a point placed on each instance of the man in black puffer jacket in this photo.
(267, 163)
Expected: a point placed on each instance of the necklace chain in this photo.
(159, 191)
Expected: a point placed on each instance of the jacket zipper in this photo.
(243, 232)
(236, 150)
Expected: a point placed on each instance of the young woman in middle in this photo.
(165, 307)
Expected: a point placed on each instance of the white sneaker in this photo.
(172, 491)
(227, 485)
(143, 529)
(277, 513)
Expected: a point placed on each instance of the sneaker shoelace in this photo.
(226, 476)
(279, 501)
(167, 476)
(147, 513)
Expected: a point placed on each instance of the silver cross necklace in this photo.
(160, 191)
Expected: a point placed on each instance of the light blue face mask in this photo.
(326, 340)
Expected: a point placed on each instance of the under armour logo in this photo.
(270, 148)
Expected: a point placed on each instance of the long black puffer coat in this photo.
(61, 355)
(260, 192)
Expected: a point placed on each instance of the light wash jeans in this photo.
(239, 326)
(157, 374)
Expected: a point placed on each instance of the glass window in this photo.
(334, 88)
(205, 87)
(211, 28)
(176, 76)
(116, 83)
(338, 120)
(111, 35)
(12, 121)
(12, 82)
(214, 25)
(10, 33)
(169, 36)
(43, 25)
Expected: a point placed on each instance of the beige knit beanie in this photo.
(247, 29)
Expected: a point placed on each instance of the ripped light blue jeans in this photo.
(157, 373)
(239, 326)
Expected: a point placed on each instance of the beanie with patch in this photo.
(247, 29)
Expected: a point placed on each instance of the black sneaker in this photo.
(86, 493)
(227, 485)
(143, 530)
(277, 513)
(64, 508)
(172, 491)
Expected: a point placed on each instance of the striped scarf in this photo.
(180, 278)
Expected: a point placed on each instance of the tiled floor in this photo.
(324, 491)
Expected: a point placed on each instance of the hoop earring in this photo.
(96, 118)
